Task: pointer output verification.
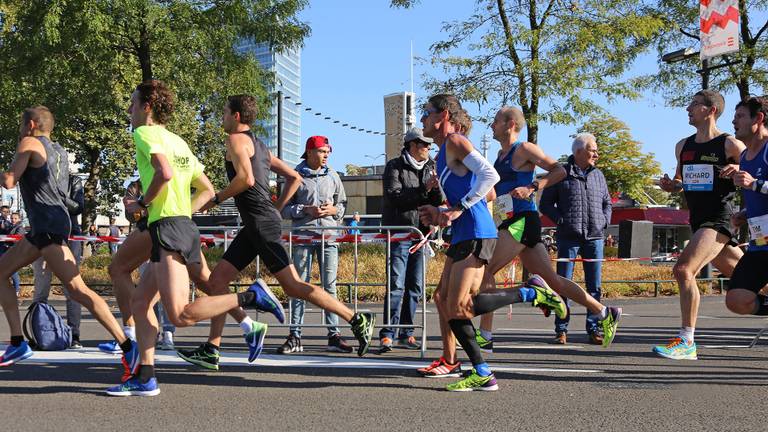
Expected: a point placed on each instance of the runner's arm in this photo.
(241, 160)
(674, 184)
(292, 181)
(203, 192)
(486, 176)
(27, 146)
(163, 174)
(535, 155)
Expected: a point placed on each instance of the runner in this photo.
(520, 232)
(41, 169)
(168, 171)
(248, 162)
(466, 178)
(751, 273)
(705, 163)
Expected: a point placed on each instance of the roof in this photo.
(657, 215)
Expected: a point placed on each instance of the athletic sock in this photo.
(146, 372)
(246, 324)
(687, 333)
(465, 334)
(245, 298)
(130, 332)
(762, 308)
(603, 314)
(527, 294)
(483, 369)
(16, 340)
(487, 335)
(211, 347)
(127, 345)
(490, 301)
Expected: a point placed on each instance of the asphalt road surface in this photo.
(542, 386)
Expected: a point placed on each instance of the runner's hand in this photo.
(667, 184)
(743, 179)
(428, 215)
(729, 170)
(132, 206)
(522, 192)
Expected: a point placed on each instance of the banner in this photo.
(719, 31)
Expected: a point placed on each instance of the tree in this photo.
(354, 170)
(527, 52)
(678, 81)
(83, 58)
(626, 168)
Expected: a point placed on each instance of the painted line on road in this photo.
(94, 356)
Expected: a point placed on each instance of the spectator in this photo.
(581, 207)
(609, 241)
(353, 223)
(75, 203)
(409, 182)
(319, 201)
(93, 231)
(114, 231)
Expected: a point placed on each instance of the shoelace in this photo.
(675, 341)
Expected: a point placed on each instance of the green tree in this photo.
(527, 52)
(354, 170)
(678, 81)
(626, 168)
(83, 58)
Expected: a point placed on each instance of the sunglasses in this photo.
(429, 111)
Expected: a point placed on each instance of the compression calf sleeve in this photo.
(465, 334)
(490, 301)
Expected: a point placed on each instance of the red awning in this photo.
(659, 216)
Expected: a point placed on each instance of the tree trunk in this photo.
(145, 60)
(90, 188)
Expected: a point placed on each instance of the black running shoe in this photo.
(362, 327)
(202, 356)
(291, 345)
(336, 343)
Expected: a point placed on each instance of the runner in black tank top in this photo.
(705, 163)
(248, 166)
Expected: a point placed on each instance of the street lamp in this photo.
(373, 158)
(686, 53)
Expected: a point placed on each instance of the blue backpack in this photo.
(45, 329)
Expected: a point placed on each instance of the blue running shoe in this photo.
(131, 361)
(134, 387)
(14, 354)
(111, 347)
(678, 348)
(265, 300)
(255, 340)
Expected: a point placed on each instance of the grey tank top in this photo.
(43, 190)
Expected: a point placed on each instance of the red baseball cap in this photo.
(316, 142)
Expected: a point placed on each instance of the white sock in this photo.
(486, 334)
(130, 332)
(687, 333)
(246, 324)
(603, 314)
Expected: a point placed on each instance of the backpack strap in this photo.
(24, 328)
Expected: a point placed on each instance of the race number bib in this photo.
(758, 230)
(698, 177)
(504, 204)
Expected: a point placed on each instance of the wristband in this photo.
(534, 186)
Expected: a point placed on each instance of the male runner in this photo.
(466, 178)
(520, 232)
(750, 124)
(705, 163)
(41, 169)
(169, 170)
(248, 162)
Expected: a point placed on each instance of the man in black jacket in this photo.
(409, 182)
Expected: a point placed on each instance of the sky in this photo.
(359, 51)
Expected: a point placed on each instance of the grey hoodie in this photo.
(317, 187)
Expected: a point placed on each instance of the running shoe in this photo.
(111, 347)
(385, 345)
(473, 381)
(202, 356)
(610, 324)
(486, 345)
(362, 327)
(546, 297)
(75, 344)
(561, 338)
(15, 354)
(336, 343)
(408, 343)
(441, 369)
(678, 348)
(134, 387)
(265, 300)
(291, 345)
(131, 361)
(255, 340)
(165, 341)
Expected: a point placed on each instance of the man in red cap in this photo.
(319, 201)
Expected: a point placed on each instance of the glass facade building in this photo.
(287, 70)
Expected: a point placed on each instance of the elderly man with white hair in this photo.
(581, 207)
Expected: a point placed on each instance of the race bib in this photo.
(758, 229)
(698, 177)
(504, 204)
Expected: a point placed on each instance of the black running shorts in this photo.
(525, 228)
(751, 273)
(265, 243)
(721, 224)
(175, 234)
(41, 240)
(480, 248)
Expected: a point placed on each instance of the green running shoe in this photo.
(362, 328)
(546, 297)
(473, 381)
(610, 324)
(486, 345)
(202, 356)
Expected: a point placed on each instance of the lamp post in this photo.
(686, 53)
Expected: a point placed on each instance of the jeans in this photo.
(43, 277)
(328, 261)
(162, 318)
(406, 279)
(592, 275)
